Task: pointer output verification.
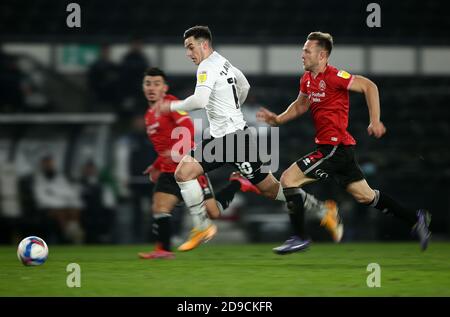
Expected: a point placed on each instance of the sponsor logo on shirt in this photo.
(315, 96)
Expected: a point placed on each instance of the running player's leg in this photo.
(291, 180)
(186, 174)
(166, 196)
(314, 166)
(419, 220)
(314, 208)
(197, 195)
(352, 179)
(189, 169)
(325, 211)
(162, 206)
(270, 187)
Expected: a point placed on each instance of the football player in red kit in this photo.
(324, 90)
(172, 135)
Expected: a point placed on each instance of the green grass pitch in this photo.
(234, 270)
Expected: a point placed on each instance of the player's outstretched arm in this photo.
(370, 90)
(198, 100)
(295, 109)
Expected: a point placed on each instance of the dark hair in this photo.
(154, 71)
(199, 31)
(325, 40)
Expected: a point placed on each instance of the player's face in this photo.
(154, 88)
(311, 55)
(194, 49)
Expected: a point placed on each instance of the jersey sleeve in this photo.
(343, 79)
(206, 76)
(302, 89)
(180, 116)
(242, 84)
(182, 119)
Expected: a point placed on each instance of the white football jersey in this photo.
(223, 108)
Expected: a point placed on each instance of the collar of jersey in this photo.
(321, 73)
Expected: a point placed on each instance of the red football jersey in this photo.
(328, 96)
(159, 131)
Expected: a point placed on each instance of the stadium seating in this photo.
(253, 20)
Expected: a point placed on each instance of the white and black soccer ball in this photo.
(32, 251)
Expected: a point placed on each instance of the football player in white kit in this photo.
(221, 90)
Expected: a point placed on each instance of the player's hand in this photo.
(377, 129)
(264, 115)
(153, 173)
(162, 106)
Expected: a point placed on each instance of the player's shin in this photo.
(225, 196)
(314, 208)
(162, 229)
(295, 205)
(194, 199)
(386, 204)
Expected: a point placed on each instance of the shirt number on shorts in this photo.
(245, 168)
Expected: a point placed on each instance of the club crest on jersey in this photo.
(202, 76)
(343, 74)
(322, 85)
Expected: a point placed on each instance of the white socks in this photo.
(193, 198)
(313, 206)
(280, 195)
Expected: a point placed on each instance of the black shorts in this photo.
(238, 149)
(166, 184)
(337, 161)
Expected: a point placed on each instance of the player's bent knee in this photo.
(187, 170)
(160, 209)
(363, 199)
(287, 180)
(183, 173)
(162, 206)
(269, 186)
(270, 193)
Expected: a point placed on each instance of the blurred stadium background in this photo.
(72, 98)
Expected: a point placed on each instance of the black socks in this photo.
(162, 229)
(225, 196)
(296, 208)
(388, 205)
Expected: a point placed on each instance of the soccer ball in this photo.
(32, 251)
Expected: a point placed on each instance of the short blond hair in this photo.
(325, 40)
